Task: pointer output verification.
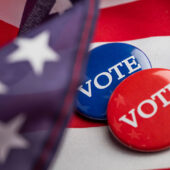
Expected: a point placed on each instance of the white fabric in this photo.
(111, 3)
(94, 149)
(11, 11)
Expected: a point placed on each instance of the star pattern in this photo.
(117, 125)
(3, 88)
(119, 100)
(9, 137)
(134, 135)
(61, 6)
(34, 50)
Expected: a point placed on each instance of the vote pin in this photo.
(139, 110)
(108, 65)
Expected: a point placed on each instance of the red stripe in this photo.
(73, 86)
(7, 32)
(78, 121)
(135, 20)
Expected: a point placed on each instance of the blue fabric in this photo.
(46, 100)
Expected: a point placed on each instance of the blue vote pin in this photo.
(108, 65)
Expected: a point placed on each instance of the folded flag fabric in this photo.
(35, 13)
(39, 75)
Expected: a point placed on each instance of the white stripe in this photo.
(60, 6)
(11, 11)
(157, 49)
(111, 3)
(94, 149)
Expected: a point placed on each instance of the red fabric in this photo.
(135, 20)
(78, 121)
(7, 32)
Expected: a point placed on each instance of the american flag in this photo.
(87, 144)
(40, 72)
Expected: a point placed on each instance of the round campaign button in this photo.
(139, 110)
(108, 65)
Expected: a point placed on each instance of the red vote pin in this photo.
(139, 110)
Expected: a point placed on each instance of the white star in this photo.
(9, 138)
(119, 100)
(3, 88)
(35, 50)
(61, 6)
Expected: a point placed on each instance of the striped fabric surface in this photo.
(88, 144)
